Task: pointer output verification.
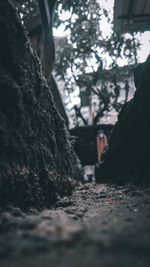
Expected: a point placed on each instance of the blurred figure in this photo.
(101, 142)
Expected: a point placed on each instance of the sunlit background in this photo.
(144, 38)
(106, 29)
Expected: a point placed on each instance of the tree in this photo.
(26, 8)
(82, 60)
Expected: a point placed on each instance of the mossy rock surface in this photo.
(33, 136)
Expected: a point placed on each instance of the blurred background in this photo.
(98, 44)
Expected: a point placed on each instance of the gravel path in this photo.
(99, 225)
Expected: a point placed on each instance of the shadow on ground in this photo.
(99, 225)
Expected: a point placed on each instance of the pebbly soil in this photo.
(99, 225)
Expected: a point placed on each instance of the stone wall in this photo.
(35, 150)
(129, 146)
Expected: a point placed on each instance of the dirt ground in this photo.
(99, 225)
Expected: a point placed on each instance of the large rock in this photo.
(35, 151)
(129, 145)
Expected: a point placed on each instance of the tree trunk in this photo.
(35, 151)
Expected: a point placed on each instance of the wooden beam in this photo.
(47, 8)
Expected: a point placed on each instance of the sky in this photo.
(109, 4)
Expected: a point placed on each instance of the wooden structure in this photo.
(47, 13)
(132, 15)
(41, 36)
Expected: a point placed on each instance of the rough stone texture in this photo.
(99, 226)
(35, 151)
(129, 145)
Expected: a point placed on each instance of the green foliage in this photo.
(82, 55)
(27, 8)
(82, 58)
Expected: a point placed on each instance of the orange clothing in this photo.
(101, 141)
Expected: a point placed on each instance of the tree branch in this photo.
(79, 114)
